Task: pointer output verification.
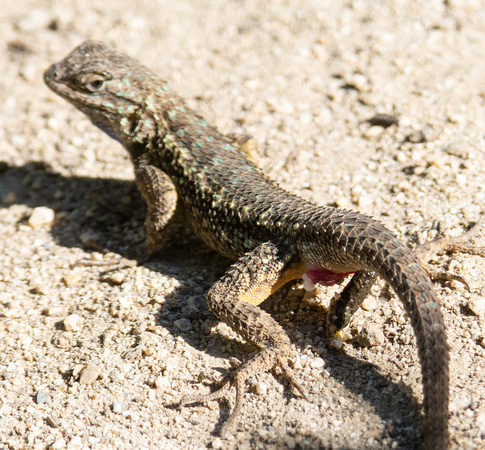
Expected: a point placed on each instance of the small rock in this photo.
(118, 407)
(261, 388)
(9, 199)
(217, 443)
(370, 335)
(74, 322)
(459, 404)
(183, 324)
(53, 421)
(383, 120)
(370, 304)
(59, 444)
(41, 216)
(71, 279)
(117, 278)
(458, 147)
(477, 305)
(63, 339)
(317, 363)
(372, 132)
(308, 284)
(337, 341)
(162, 384)
(480, 420)
(38, 286)
(343, 202)
(90, 374)
(63, 369)
(42, 396)
(416, 137)
(35, 20)
(78, 368)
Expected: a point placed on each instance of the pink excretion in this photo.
(324, 276)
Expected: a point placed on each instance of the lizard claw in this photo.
(337, 340)
(266, 359)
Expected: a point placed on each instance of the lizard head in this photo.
(106, 86)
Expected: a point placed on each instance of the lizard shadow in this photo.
(82, 205)
(83, 208)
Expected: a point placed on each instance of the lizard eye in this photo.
(92, 82)
(95, 85)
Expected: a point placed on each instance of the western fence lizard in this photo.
(273, 236)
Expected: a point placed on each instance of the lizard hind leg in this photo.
(235, 299)
(344, 305)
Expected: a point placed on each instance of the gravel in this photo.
(93, 356)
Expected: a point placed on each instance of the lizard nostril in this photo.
(52, 73)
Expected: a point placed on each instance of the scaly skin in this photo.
(273, 236)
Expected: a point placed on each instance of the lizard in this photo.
(181, 161)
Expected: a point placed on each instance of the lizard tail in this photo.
(364, 243)
(401, 269)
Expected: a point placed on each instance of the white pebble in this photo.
(74, 322)
(41, 216)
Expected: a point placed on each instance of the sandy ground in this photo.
(92, 360)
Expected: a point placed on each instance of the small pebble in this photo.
(41, 216)
(217, 443)
(77, 369)
(117, 278)
(370, 304)
(290, 443)
(59, 444)
(53, 421)
(183, 324)
(42, 396)
(370, 335)
(477, 305)
(383, 120)
(71, 279)
(162, 384)
(38, 286)
(118, 407)
(74, 322)
(261, 388)
(35, 20)
(63, 339)
(416, 137)
(63, 369)
(90, 374)
(317, 363)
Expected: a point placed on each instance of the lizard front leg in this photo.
(161, 198)
(235, 299)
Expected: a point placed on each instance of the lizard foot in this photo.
(442, 244)
(265, 360)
